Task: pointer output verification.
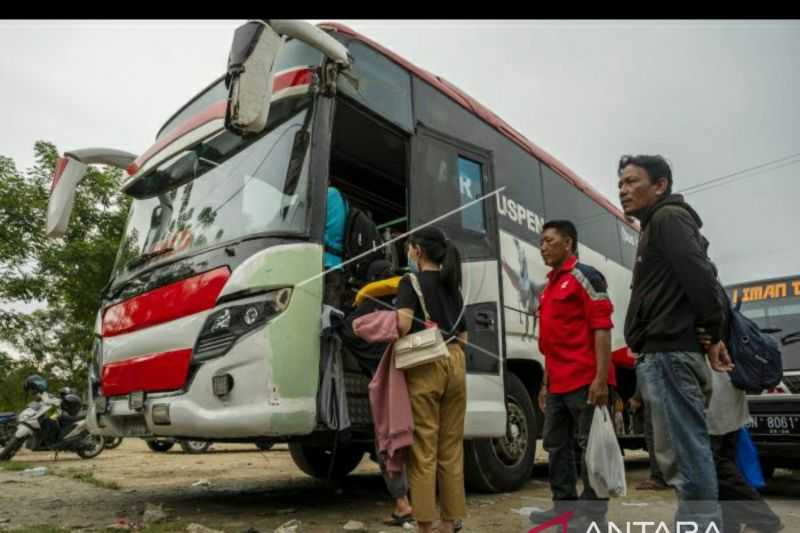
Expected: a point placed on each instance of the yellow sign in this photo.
(766, 291)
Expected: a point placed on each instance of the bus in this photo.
(210, 324)
(774, 304)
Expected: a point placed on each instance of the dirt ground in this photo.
(241, 488)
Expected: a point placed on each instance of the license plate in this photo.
(136, 400)
(775, 425)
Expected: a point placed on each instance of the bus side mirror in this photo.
(69, 171)
(67, 175)
(251, 65)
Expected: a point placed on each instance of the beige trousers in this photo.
(438, 404)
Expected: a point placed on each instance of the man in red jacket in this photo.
(575, 339)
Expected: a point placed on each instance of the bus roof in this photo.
(476, 108)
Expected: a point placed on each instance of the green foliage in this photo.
(64, 276)
(86, 476)
(14, 466)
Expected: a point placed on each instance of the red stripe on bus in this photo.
(292, 78)
(213, 112)
(163, 371)
(176, 300)
(61, 165)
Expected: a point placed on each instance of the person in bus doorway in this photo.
(575, 339)
(368, 355)
(437, 390)
(335, 221)
(674, 292)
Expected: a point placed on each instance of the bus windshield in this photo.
(782, 314)
(218, 192)
(225, 187)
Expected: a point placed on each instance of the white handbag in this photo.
(422, 347)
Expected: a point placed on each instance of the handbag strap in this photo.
(418, 289)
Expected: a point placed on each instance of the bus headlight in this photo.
(222, 328)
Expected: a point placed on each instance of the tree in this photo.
(64, 275)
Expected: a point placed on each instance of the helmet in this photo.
(35, 383)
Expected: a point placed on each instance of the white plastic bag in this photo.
(604, 463)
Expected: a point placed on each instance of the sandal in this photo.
(458, 525)
(397, 520)
(652, 484)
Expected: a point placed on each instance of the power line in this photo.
(715, 185)
(704, 185)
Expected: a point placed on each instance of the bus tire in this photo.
(194, 446)
(160, 446)
(505, 464)
(316, 460)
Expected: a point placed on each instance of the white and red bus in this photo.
(210, 325)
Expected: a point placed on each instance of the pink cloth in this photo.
(388, 392)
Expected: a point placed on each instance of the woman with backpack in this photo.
(437, 389)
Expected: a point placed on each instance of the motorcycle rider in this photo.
(66, 433)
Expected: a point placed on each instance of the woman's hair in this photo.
(439, 249)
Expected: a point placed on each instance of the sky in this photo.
(713, 97)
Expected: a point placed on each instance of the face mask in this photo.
(412, 264)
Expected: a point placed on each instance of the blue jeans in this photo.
(676, 387)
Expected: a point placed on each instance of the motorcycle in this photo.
(8, 426)
(51, 423)
(112, 442)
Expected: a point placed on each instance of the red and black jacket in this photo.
(573, 304)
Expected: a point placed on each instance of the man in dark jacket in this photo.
(674, 296)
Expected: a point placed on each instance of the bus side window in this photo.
(470, 185)
(449, 180)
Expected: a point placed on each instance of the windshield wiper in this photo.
(791, 338)
(144, 258)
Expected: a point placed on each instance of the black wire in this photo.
(705, 185)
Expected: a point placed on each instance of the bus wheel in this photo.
(160, 446)
(504, 464)
(316, 460)
(194, 446)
